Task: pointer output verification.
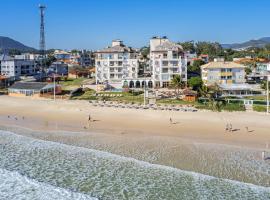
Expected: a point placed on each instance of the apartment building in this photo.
(230, 77)
(222, 72)
(12, 67)
(167, 59)
(116, 63)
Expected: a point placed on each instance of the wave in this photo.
(15, 186)
(108, 176)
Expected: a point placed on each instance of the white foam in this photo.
(15, 186)
(107, 175)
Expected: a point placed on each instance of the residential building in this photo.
(116, 63)
(59, 68)
(229, 76)
(12, 67)
(167, 59)
(222, 72)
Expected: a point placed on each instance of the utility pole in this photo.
(267, 93)
(54, 87)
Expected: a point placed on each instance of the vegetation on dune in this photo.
(259, 108)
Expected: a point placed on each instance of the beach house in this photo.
(32, 89)
(229, 76)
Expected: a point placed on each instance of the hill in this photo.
(7, 43)
(251, 43)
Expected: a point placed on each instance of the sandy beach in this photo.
(202, 126)
(194, 141)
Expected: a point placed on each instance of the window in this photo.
(165, 63)
(165, 70)
(111, 63)
(164, 55)
(223, 77)
(229, 77)
(120, 63)
(174, 63)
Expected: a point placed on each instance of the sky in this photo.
(93, 24)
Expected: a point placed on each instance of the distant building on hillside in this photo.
(167, 59)
(116, 63)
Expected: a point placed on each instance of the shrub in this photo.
(259, 108)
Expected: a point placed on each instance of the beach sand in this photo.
(194, 142)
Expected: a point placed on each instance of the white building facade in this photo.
(116, 63)
(16, 67)
(167, 59)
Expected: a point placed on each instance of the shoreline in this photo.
(202, 126)
(197, 143)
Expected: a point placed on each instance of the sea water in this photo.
(48, 169)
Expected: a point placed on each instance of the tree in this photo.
(188, 46)
(212, 49)
(211, 94)
(263, 85)
(195, 68)
(177, 84)
(13, 52)
(145, 51)
(248, 70)
(195, 83)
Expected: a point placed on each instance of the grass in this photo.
(259, 108)
(71, 84)
(226, 107)
(126, 97)
(257, 98)
(174, 102)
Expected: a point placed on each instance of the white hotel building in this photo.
(167, 59)
(116, 63)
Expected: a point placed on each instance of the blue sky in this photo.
(92, 24)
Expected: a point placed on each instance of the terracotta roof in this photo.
(217, 65)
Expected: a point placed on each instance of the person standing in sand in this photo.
(89, 118)
(170, 120)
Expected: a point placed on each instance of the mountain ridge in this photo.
(261, 42)
(7, 43)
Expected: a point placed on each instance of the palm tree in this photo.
(211, 94)
(177, 84)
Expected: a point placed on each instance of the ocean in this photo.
(37, 169)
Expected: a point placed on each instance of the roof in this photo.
(29, 85)
(5, 57)
(218, 65)
(117, 48)
(240, 87)
(168, 46)
(189, 92)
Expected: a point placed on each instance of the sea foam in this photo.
(108, 176)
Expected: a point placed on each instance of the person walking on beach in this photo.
(247, 129)
(230, 127)
(170, 120)
(227, 127)
(89, 118)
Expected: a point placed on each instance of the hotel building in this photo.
(167, 59)
(116, 63)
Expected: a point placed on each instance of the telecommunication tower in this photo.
(42, 31)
